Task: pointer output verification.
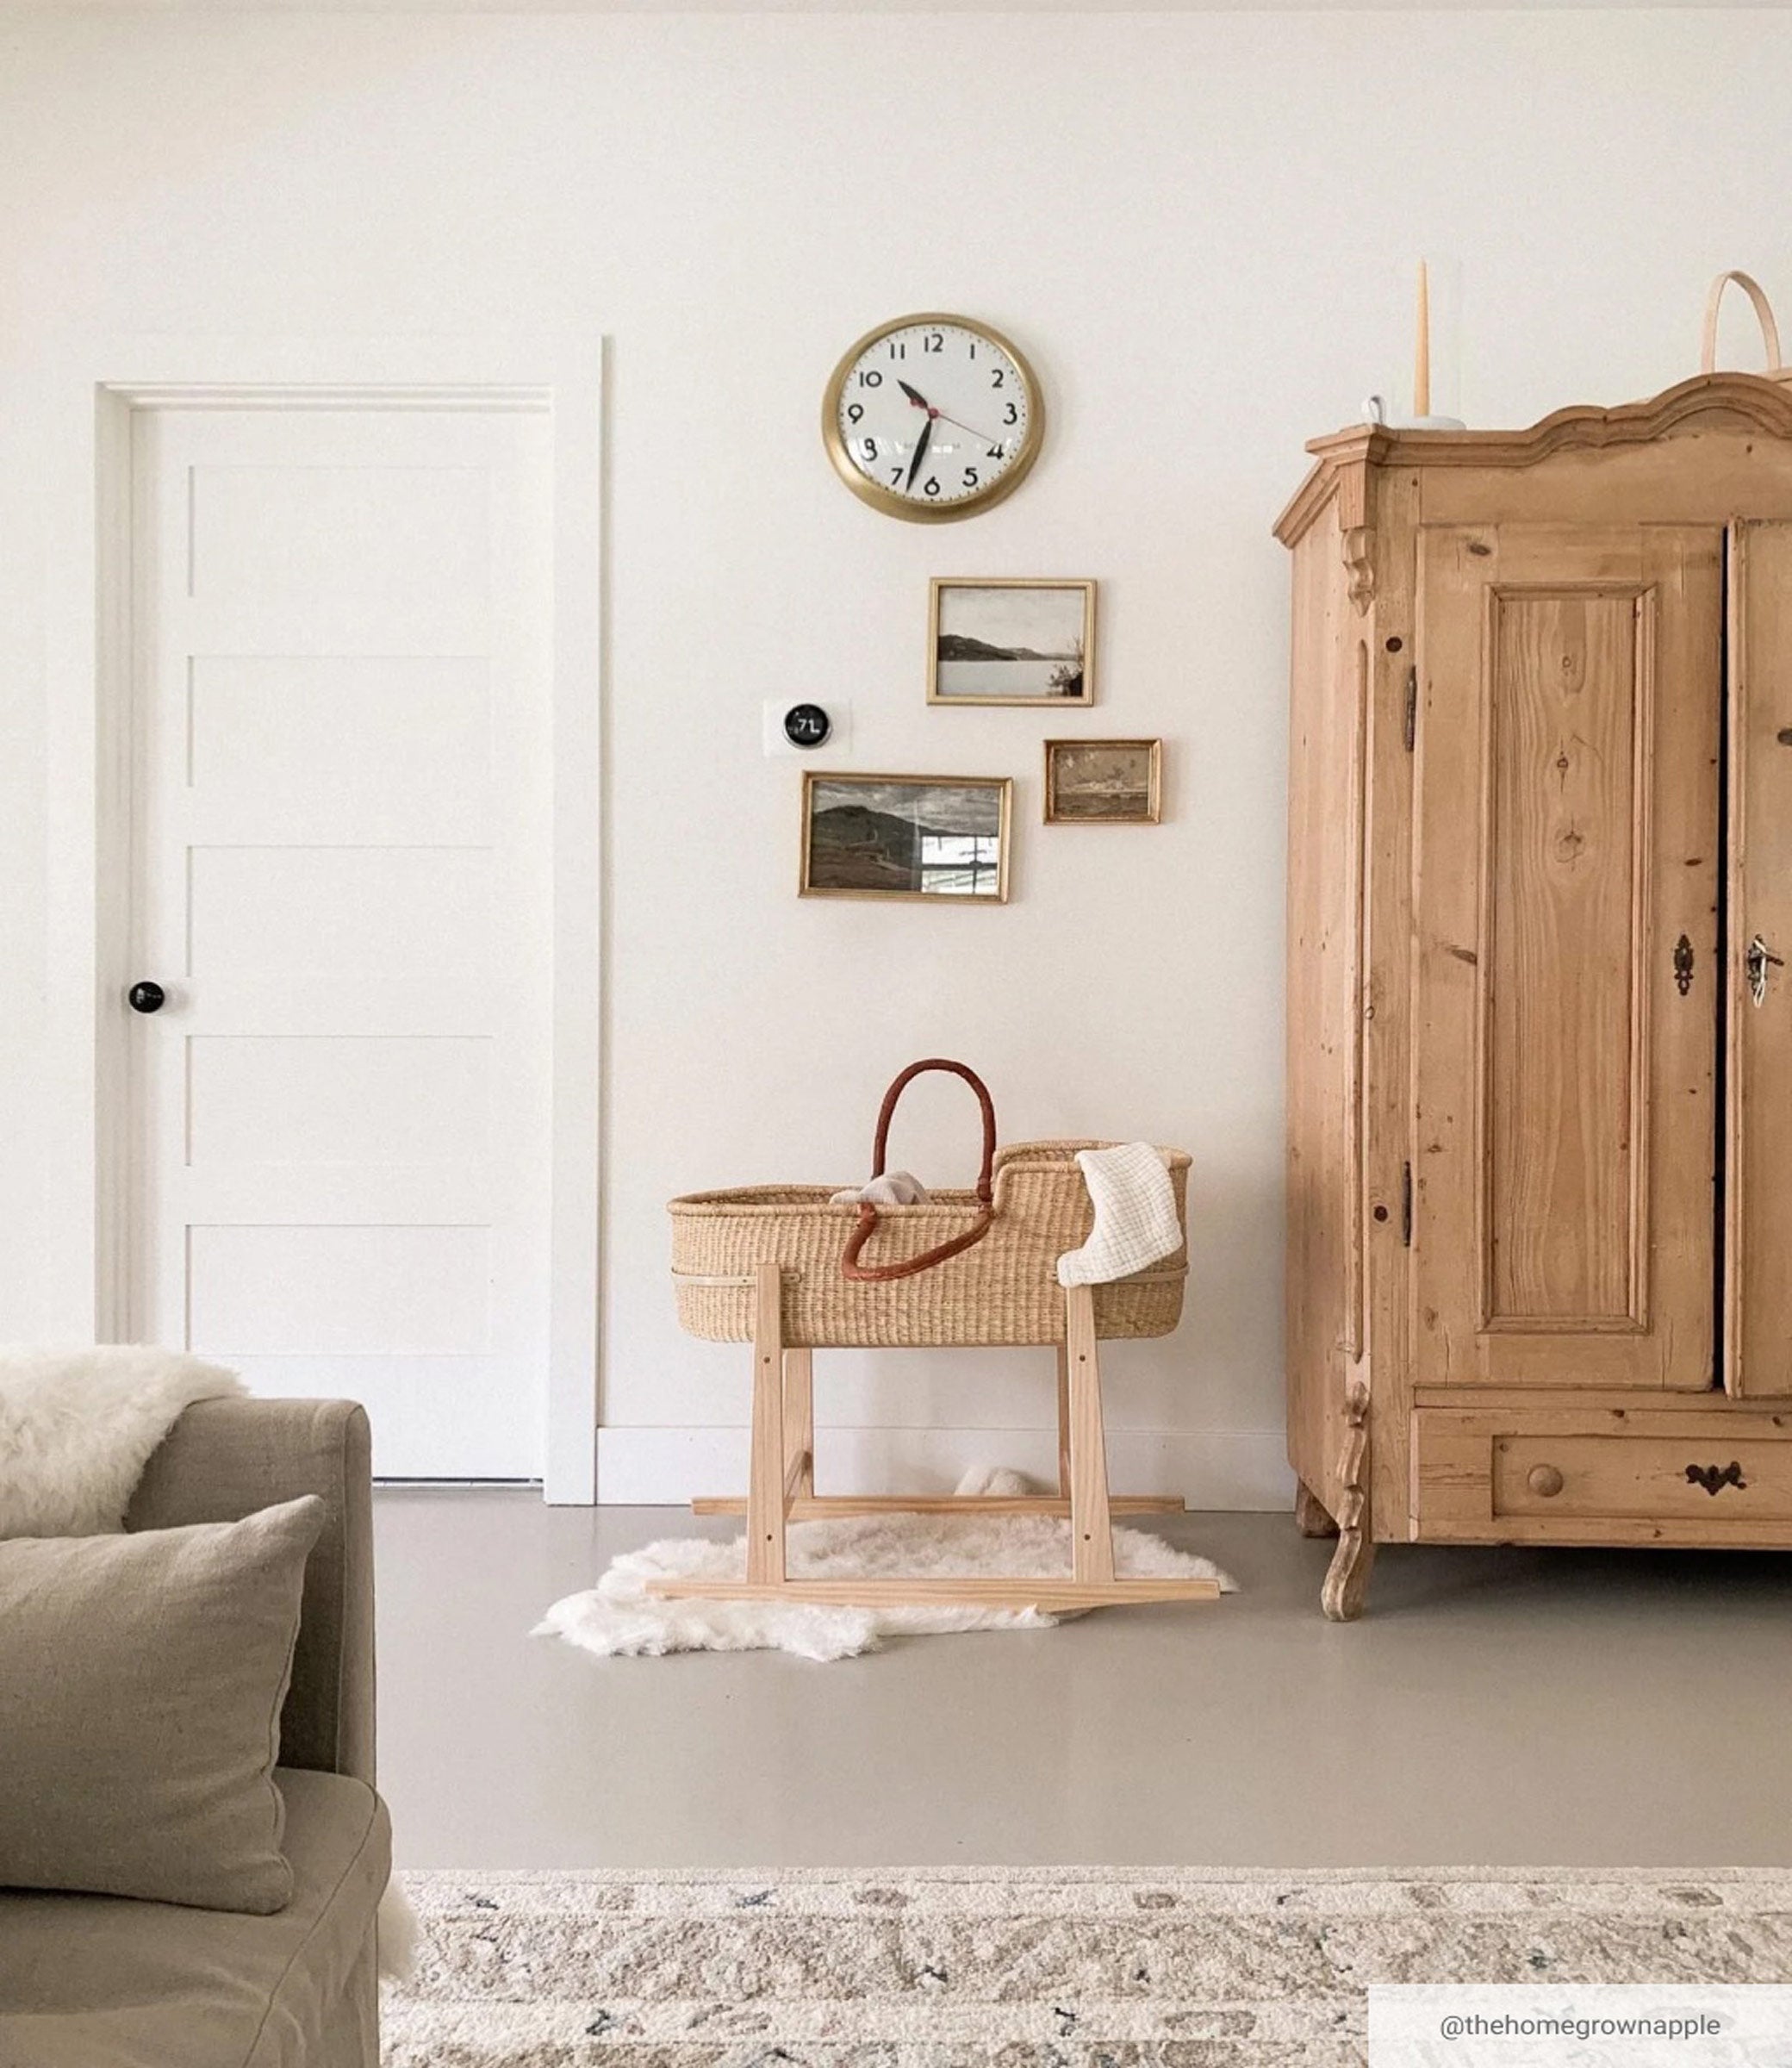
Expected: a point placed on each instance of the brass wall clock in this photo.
(932, 417)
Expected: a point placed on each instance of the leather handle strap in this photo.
(850, 1267)
(1764, 316)
(887, 1113)
(882, 1273)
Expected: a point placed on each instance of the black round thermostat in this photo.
(806, 725)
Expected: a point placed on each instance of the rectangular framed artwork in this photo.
(943, 839)
(1104, 781)
(992, 640)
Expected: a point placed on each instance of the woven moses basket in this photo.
(969, 1267)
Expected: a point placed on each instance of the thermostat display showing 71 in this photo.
(806, 725)
(932, 417)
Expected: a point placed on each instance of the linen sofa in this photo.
(105, 1982)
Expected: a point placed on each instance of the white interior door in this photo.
(342, 880)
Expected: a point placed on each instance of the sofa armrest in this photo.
(223, 1460)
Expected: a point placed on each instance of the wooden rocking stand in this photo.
(781, 1489)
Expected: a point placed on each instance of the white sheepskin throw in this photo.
(77, 1428)
(620, 1617)
(398, 1934)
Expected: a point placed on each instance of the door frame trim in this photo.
(90, 399)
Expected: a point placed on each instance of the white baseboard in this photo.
(1226, 1468)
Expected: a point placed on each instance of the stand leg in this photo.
(1092, 1536)
(765, 1487)
(1347, 1580)
(1064, 1420)
(799, 1416)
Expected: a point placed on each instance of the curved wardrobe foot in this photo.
(1311, 1516)
(1347, 1580)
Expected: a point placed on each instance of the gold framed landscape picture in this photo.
(993, 640)
(944, 838)
(1104, 781)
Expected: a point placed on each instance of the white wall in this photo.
(1200, 227)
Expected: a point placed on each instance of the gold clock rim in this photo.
(880, 497)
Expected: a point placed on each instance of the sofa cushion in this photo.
(141, 1683)
(103, 1982)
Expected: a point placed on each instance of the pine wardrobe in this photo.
(1540, 1015)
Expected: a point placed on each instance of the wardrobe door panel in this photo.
(1564, 1037)
(1757, 1250)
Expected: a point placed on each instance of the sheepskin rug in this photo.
(618, 1617)
(78, 1426)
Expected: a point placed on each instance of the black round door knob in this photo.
(146, 996)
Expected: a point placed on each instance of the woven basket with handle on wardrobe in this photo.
(1763, 315)
(966, 1267)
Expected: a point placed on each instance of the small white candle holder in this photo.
(1375, 411)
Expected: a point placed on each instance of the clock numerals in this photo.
(933, 417)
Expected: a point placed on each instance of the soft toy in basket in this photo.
(1060, 1243)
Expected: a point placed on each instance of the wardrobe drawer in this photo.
(1602, 1476)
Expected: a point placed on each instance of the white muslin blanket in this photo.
(1135, 1222)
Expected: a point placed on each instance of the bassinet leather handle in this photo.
(1764, 316)
(850, 1267)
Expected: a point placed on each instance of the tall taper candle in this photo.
(1421, 348)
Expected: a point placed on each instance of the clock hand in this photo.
(920, 401)
(920, 453)
(957, 426)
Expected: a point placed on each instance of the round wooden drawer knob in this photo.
(1545, 1480)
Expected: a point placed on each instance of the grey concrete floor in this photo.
(1511, 1707)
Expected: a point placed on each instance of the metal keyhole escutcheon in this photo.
(1714, 1478)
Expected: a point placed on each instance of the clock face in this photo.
(932, 417)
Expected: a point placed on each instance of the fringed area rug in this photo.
(1043, 1967)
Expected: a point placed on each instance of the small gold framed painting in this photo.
(1104, 781)
(944, 838)
(995, 640)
